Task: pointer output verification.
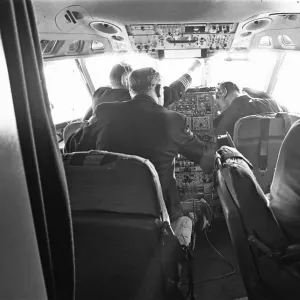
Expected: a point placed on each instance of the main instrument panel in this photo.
(198, 105)
(151, 38)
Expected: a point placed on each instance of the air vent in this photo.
(245, 34)
(69, 16)
(257, 24)
(73, 16)
(117, 38)
(105, 28)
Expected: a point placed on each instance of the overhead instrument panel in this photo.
(198, 105)
(157, 38)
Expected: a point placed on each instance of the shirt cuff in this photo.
(186, 80)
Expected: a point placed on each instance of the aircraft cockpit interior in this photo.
(165, 137)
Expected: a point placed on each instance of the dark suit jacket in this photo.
(142, 127)
(241, 107)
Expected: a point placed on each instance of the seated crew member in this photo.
(119, 93)
(285, 188)
(236, 104)
(143, 127)
(253, 93)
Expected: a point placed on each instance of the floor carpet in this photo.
(208, 264)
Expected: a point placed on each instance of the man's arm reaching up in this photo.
(175, 91)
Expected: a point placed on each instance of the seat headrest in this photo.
(113, 182)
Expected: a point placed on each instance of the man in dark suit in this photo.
(236, 104)
(143, 127)
(118, 91)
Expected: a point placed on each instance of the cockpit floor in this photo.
(208, 264)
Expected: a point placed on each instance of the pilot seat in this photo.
(259, 138)
(125, 247)
(268, 261)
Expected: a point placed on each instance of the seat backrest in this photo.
(99, 180)
(239, 239)
(248, 216)
(118, 218)
(285, 188)
(259, 138)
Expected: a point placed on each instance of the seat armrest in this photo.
(291, 255)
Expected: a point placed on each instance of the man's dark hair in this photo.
(230, 86)
(117, 72)
(143, 80)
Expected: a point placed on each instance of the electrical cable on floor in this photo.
(224, 258)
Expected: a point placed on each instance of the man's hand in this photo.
(207, 161)
(196, 64)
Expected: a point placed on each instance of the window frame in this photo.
(276, 77)
(84, 74)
